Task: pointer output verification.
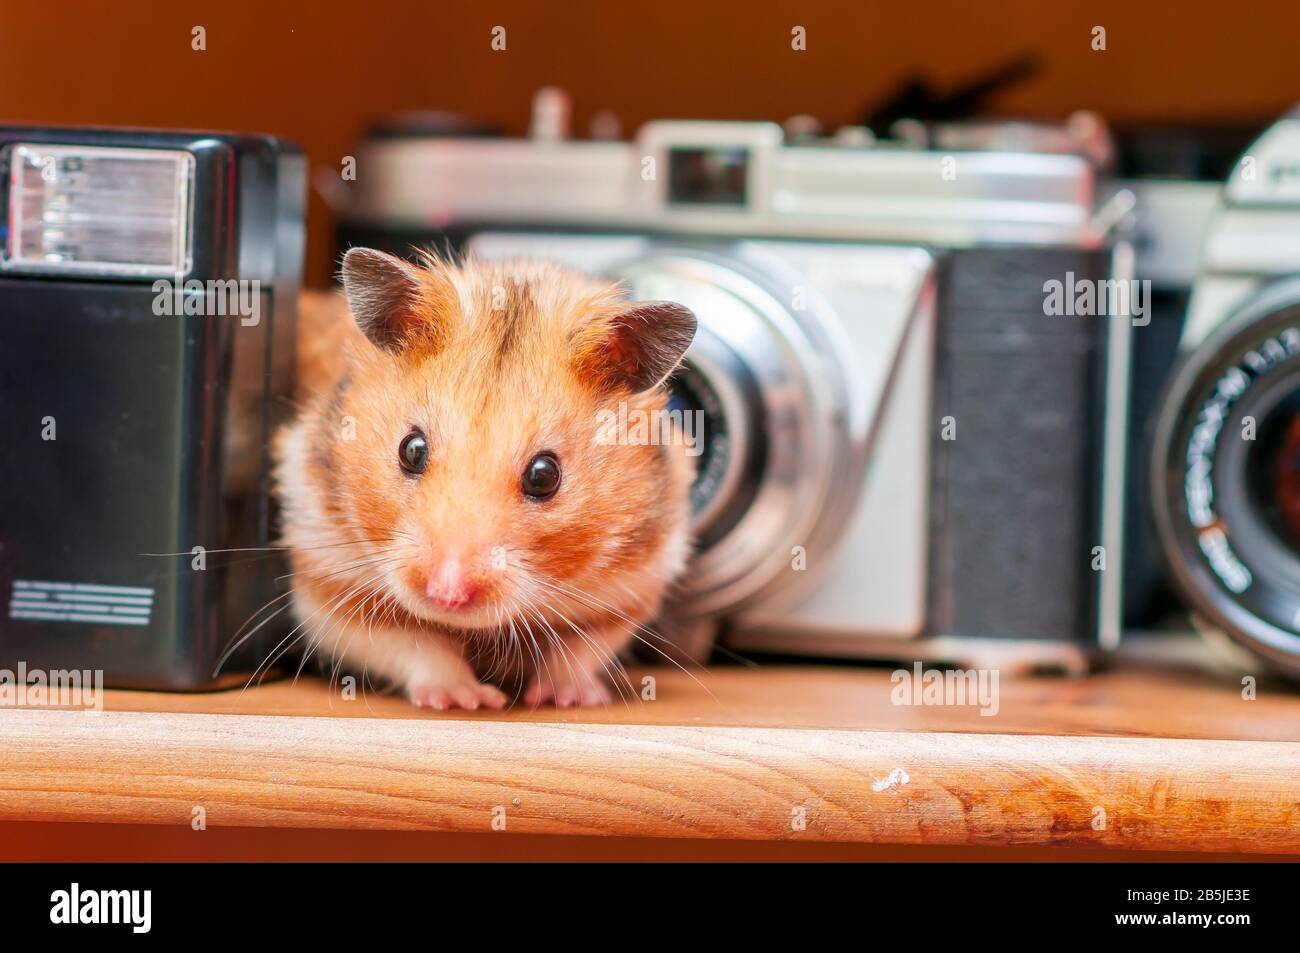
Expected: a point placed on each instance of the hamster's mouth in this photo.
(480, 614)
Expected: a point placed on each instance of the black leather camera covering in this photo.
(1015, 495)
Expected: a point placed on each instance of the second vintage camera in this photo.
(904, 455)
(1225, 454)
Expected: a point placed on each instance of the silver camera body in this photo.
(1225, 464)
(1254, 238)
(904, 456)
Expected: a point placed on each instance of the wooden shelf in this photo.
(1176, 760)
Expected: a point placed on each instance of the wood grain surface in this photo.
(1170, 761)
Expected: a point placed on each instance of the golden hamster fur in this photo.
(457, 526)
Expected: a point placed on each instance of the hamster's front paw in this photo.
(567, 689)
(444, 696)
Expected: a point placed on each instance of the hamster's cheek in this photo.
(562, 548)
(378, 492)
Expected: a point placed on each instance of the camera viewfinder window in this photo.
(708, 176)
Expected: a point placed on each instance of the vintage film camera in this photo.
(1225, 457)
(1170, 179)
(904, 455)
(148, 289)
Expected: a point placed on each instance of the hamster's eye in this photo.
(541, 477)
(413, 453)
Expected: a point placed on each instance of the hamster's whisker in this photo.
(289, 640)
(373, 589)
(565, 650)
(495, 644)
(595, 602)
(520, 646)
(362, 593)
(603, 654)
(272, 549)
(540, 655)
(591, 601)
(517, 654)
(343, 628)
(238, 641)
(360, 563)
(549, 634)
(504, 648)
(261, 553)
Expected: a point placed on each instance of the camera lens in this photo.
(1273, 472)
(1225, 476)
(692, 395)
(731, 436)
(776, 464)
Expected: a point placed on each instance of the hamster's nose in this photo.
(449, 585)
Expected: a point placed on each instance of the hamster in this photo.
(460, 519)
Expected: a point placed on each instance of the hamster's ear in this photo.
(391, 299)
(637, 346)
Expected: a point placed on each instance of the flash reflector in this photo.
(92, 210)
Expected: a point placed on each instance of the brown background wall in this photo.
(316, 72)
